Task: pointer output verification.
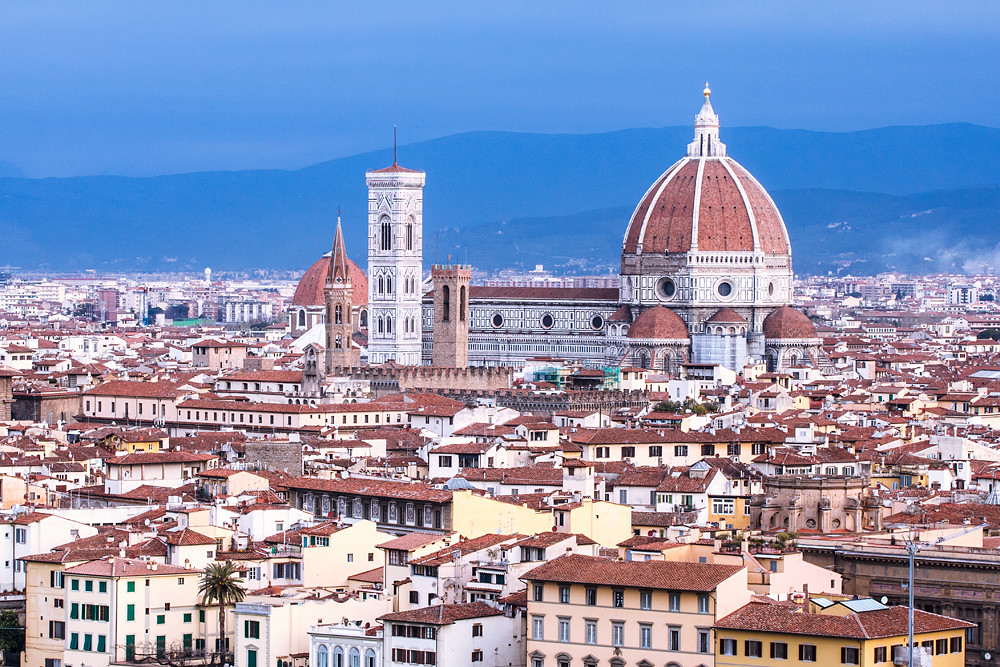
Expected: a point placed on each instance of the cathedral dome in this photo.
(726, 316)
(660, 323)
(310, 289)
(706, 202)
(786, 322)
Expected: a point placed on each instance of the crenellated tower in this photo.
(451, 315)
(395, 262)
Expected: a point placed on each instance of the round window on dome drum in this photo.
(547, 321)
(725, 288)
(665, 289)
(497, 320)
(596, 322)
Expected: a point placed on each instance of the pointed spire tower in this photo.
(340, 350)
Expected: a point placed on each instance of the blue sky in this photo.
(142, 88)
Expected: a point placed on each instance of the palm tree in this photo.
(220, 585)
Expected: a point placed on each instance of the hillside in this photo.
(548, 196)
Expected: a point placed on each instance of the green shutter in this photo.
(88, 642)
(101, 639)
(74, 641)
(102, 587)
(74, 611)
(251, 658)
(130, 587)
(130, 612)
(130, 647)
(187, 618)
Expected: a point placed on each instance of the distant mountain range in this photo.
(909, 198)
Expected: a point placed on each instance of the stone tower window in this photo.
(386, 234)
(445, 304)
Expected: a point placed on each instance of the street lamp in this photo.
(913, 545)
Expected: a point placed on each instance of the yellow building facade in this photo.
(862, 633)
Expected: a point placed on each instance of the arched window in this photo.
(378, 324)
(339, 343)
(409, 234)
(338, 314)
(386, 234)
(388, 285)
(355, 658)
(381, 285)
(302, 317)
(338, 657)
(369, 658)
(322, 657)
(445, 304)
(461, 304)
(772, 362)
(364, 319)
(388, 325)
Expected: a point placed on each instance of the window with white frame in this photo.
(723, 506)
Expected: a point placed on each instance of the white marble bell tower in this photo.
(395, 263)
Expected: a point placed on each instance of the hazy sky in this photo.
(142, 88)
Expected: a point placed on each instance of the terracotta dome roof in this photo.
(310, 289)
(706, 202)
(786, 322)
(623, 314)
(659, 322)
(734, 211)
(726, 316)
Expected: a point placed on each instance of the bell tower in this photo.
(340, 350)
(395, 263)
(451, 315)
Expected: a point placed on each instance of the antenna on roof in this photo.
(394, 145)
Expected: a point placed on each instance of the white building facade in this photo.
(395, 259)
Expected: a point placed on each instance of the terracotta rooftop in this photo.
(761, 616)
(444, 614)
(580, 569)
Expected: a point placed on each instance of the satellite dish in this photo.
(884, 599)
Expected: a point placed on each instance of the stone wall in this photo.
(550, 403)
(6, 399)
(389, 380)
(277, 456)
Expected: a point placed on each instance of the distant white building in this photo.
(347, 643)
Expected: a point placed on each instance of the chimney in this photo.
(805, 599)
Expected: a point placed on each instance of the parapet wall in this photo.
(391, 379)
